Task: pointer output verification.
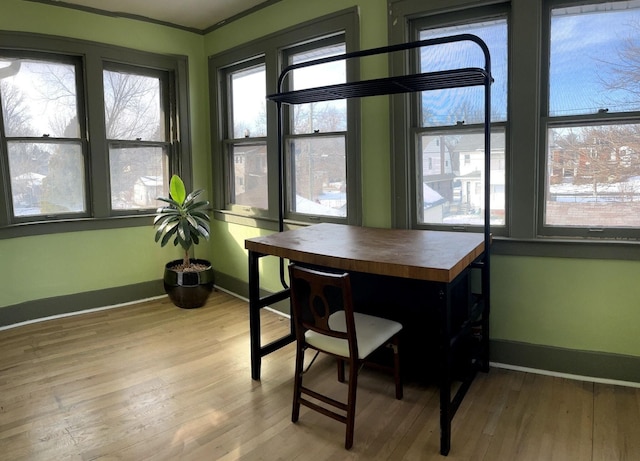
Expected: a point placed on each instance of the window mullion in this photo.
(5, 192)
(273, 63)
(97, 145)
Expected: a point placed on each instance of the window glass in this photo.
(466, 105)
(139, 175)
(452, 190)
(248, 184)
(248, 95)
(594, 176)
(598, 70)
(38, 98)
(249, 175)
(593, 158)
(319, 176)
(450, 156)
(132, 106)
(44, 152)
(135, 124)
(322, 116)
(46, 178)
(318, 161)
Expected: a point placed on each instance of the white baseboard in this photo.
(565, 375)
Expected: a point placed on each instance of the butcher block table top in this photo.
(437, 256)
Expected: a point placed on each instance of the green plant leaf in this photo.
(204, 232)
(193, 195)
(177, 189)
(201, 222)
(164, 216)
(195, 206)
(169, 232)
(184, 219)
(169, 200)
(192, 221)
(200, 215)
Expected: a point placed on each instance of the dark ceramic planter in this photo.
(188, 289)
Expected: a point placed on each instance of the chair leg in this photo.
(351, 402)
(340, 370)
(297, 384)
(396, 368)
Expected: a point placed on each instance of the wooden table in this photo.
(440, 259)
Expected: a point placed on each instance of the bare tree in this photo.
(625, 70)
(606, 155)
(320, 116)
(55, 84)
(132, 107)
(15, 112)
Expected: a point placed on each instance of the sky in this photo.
(583, 48)
(584, 41)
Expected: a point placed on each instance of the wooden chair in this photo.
(324, 320)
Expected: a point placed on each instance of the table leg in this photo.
(254, 315)
(445, 370)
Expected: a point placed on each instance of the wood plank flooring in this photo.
(150, 381)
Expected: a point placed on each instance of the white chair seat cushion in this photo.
(371, 333)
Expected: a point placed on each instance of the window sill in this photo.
(567, 248)
(540, 247)
(266, 223)
(74, 225)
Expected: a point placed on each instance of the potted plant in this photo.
(187, 281)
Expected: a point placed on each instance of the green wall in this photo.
(583, 304)
(66, 263)
(575, 304)
(376, 180)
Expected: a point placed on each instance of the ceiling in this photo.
(191, 14)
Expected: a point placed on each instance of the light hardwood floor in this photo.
(154, 382)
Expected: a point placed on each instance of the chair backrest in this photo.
(315, 297)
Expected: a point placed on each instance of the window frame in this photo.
(548, 122)
(82, 140)
(273, 48)
(93, 57)
(290, 137)
(523, 139)
(407, 113)
(167, 116)
(229, 141)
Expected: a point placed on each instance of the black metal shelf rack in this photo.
(478, 319)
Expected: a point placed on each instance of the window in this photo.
(592, 164)
(247, 145)
(569, 131)
(84, 139)
(317, 138)
(449, 155)
(321, 150)
(43, 140)
(137, 133)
